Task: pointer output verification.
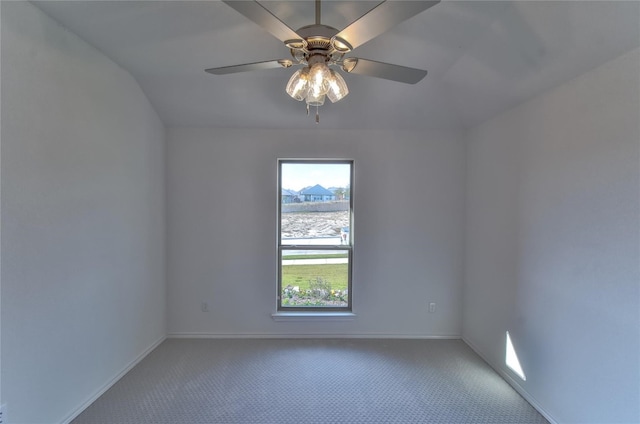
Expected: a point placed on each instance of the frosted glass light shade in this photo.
(298, 84)
(314, 99)
(319, 76)
(337, 87)
(313, 84)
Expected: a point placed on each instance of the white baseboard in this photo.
(196, 335)
(513, 383)
(77, 411)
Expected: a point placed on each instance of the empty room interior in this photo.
(491, 251)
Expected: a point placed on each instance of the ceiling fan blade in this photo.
(256, 66)
(381, 18)
(383, 70)
(263, 17)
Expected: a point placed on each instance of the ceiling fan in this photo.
(317, 47)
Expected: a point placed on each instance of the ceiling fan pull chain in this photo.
(317, 115)
(307, 109)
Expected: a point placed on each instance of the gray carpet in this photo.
(310, 381)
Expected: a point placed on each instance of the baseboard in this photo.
(77, 411)
(513, 383)
(196, 335)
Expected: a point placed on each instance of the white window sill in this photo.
(313, 316)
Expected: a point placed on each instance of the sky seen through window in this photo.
(296, 176)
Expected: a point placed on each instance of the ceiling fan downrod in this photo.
(318, 11)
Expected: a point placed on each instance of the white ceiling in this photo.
(482, 57)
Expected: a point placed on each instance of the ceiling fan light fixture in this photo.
(315, 83)
(298, 84)
(338, 89)
(314, 99)
(319, 76)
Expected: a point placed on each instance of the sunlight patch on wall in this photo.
(511, 359)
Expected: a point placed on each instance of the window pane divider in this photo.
(315, 247)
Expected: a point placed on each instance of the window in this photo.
(315, 235)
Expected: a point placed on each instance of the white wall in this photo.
(83, 290)
(409, 207)
(552, 249)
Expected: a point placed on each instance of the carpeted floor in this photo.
(310, 381)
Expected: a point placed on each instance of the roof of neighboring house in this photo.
(286, 192)
(316, 190)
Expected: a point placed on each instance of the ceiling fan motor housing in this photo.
(319, 41)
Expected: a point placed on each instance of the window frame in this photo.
(280, 247)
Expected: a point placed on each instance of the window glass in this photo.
(315, 241)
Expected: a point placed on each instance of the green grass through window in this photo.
(300, 275)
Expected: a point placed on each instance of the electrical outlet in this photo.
(432, 307)
(3, 413)
(204, 307)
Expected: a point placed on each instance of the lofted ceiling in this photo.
(482, 57)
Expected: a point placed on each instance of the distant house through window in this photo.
(317, 193)
(315, 241)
